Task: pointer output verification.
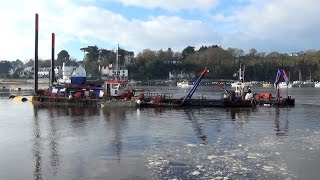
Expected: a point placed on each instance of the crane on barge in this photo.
(195, 86)
(281, 73)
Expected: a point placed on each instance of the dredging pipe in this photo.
(52, 74)
(36, 54)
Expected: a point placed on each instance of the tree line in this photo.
(222, 63)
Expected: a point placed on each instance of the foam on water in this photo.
(218, 161)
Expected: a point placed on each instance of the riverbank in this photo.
(23, 81)
(21, 84)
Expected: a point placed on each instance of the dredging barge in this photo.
(228, 99)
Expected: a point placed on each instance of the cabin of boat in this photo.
(117, 89)
(240, 81)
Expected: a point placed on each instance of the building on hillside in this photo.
(66, 74)
(108, 72)
(128, 57)
(44, 72)
(173, 62)
(180, 75)
(27, 72)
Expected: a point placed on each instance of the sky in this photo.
(285, 26)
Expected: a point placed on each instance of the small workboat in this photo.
(184, 84)
(266, 99)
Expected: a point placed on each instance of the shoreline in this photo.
(23, 81)
(22, 84)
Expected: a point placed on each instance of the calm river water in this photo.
(129, 143)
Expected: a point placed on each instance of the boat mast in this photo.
(241, 74)
(117, 63)
(310, 75)
(299, 75)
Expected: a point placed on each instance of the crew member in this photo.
(249, 95)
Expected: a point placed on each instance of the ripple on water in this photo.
(217, 161)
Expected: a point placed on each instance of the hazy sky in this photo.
(267, 25)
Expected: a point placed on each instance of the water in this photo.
(130, 143)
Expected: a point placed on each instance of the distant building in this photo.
(109, 72)
(44, 72)
(172, 62)
(294, 54)
(128, 57)
(27, 72)
(180, 75)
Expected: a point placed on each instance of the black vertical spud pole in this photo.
(52, 76)
(36, 55)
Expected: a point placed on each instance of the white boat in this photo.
(241, 87)
(296, 83)
(256, 83)
(183, 84)
(308, 83)
(284, 85)
(317, 84)
(237, 83)
(133, 82)
(240, 82)
(267, 84)
(299, 82)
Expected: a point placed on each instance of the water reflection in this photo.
(53, 114)
(53, 144)
(115, 118)
(196, 125)
(37, 147)
(281, 130)
(240, 114)
(73, 111)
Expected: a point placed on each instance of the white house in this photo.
(44, 72)
(181, 75)
(28, 71)
(107, 72)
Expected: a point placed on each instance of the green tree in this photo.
(91, 61)
(106, 57)
(187, 51)
(30, 63)
(45, 63)
(63, 57)
(91, 53)
(5, 66)
(17, 63)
